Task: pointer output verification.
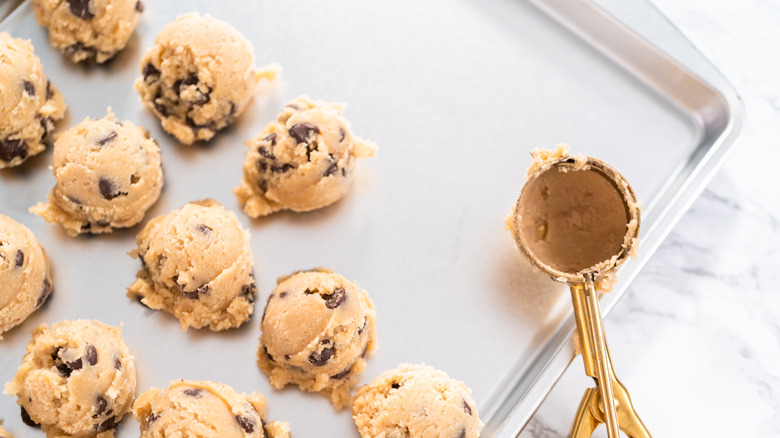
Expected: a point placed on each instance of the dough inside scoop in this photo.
(573, 220)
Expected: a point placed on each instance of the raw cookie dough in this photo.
(303, 161)
(569, 199)
(107, 174)
(25, 278)
(76, 380)
(415, 401)
(317, 329)
(197, 265)
(203, 409)
(88, 29)
(29, 104)
(3, 433)
(199, 77)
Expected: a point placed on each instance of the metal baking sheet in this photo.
(455, 93)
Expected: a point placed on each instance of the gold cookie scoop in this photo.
(577, 219)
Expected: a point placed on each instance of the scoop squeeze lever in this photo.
(577, 219)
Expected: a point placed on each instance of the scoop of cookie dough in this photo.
(29, 104)
(317, 329)
(88, 29)
(199, 77)
(415, 401)
(203, 409)
(303, 161)
(76, 380)
(107, 174)
(197, 265)
(25, 279)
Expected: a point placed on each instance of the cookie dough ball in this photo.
(25, 279)
(197, 265)
(107, 175)
(317, 329)
(199, 77)
(88, 29)
(415, 401)
(303, 161)
(76, 380)
(203, 409)
(29, 104)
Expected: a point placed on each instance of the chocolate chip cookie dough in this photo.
(107, 174)
(317, 329)
(76, 380)
(88, 29)
(203, 409)
(199, 77)
(197, 265)
(25, 279)
(29, 104)
(415, 401)
(303, 161)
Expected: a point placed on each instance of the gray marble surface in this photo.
(696, 340)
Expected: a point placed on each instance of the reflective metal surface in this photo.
(455, 93)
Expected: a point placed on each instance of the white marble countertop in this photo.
(696, 340)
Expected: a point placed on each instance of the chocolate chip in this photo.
(309, 291)
(265, 432)
(108, 189)
(117, 363)
(301, 131)
(283, 168)
(134, 179)
(262, 166)
(203, 99)
(74, 199)
(363, 327)
(249, 291)
(342, 374)
(333, 168)
(193, 392)
(466, 407)
(26, 418)
(162, 109)
(343, 134)
(92, 356)
(283, 294)
(204, 290)
(286, 357)
(10, 149)
(44, 293)
(264, 152)
(271, 137)
(80, 8)
(343, 171)
(191, 295)
(49, 91)
(150, 70)
(364, 352)
(28, 87)
(152, 418)
(102, 223)
(104, 426)
(191, 80)
(106, 139)
(462, 433)
(19, 258)
(64, 367)
(74, 49)
(205, 229)
(247, 424)
(395, 385)
(294, 106)
(102, 406)
(139, 7)
(321, 358)
(335, 299)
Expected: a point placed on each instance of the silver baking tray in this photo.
(455, 93)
